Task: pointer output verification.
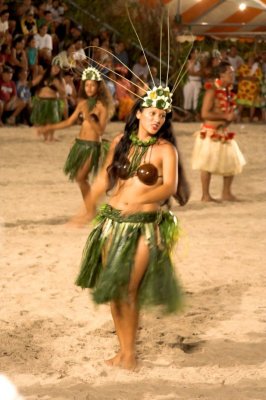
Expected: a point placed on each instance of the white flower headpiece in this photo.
(159, 97)
(156, 96)
(91, 74)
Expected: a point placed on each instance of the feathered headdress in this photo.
(156, 96)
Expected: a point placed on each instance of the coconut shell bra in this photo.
(146, 172)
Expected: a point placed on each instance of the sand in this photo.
(54, 339)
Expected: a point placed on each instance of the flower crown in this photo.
(159, 97)
(91, 74)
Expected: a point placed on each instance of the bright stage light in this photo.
(242, 6)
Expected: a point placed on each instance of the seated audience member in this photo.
(4, 16)
(32, 56)
(23, 92)
(71, 93)
(28, 24)
(140, 68)
(8, 97)
(18, 58)
(44, 44)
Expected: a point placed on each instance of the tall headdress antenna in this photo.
(177, 81)
(161, 34)
(168, 49)
(143, 51)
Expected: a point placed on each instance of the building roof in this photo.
(221, 18)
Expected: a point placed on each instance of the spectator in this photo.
(76, 33)
(236, 61)
(44, 44)
(4, 16)
(32, 56)
(8, 97)
(123, 96)
(24, 7)
(57, 10)
(140, 68)
(5, 55)
(65, 59)
(46, 19)
(28, 24)
(192, 87)
(23, 92)
(121, 54)
(18, 54)
(79, 54)
(249, 77)
(71, 93)
(154, 80)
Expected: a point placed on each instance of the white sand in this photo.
(53, 339)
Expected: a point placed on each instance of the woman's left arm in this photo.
(61, 87)
(170, 178)
(102, 117)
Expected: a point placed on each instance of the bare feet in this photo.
(11, 120)
(229, 197)
(129, 362)
(207, 198)
(114, 361)
(122, 361)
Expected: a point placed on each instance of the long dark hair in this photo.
(166, 132)
(103, 95)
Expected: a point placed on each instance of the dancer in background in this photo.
(96, 108)
(215, 150)
(49, 101)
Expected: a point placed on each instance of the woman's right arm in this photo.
(101, 182)
(63, 124)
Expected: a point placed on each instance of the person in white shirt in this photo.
(140, 68)
(235, 60)
(4, 15)
(193, 85)
(44, 43)
(79, 54)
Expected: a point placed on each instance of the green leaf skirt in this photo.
(116, 237)
(80, 152)
(46, 111)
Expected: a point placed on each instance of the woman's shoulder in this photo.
(164, 142)
(165, 147)
(117, 138)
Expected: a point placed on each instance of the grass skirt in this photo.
(119, 235)
(46, 111)
(217, 152)
(80, 152)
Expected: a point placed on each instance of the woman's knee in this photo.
(81, 178)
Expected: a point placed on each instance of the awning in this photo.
(222, 18)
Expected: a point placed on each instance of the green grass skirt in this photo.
(80, 152)
(46, 111)
(121, 234)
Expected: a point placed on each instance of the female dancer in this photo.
(96, 108)
(126, 259)
(49, 100)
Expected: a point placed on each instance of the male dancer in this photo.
(215, 150)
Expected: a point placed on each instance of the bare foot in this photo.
(114, 361)
(209, 198)
(229, 197)
(78, 221)
(129, 362)
(11, 120)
